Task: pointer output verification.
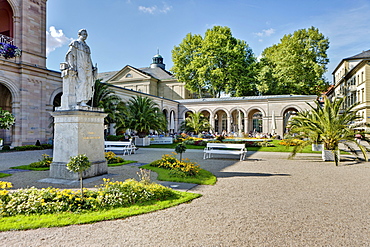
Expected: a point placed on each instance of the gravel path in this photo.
(264, 201)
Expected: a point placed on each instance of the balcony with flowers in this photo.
(7, 49)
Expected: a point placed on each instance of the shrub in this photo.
(52, 200)
(179, 168)
(44, 162)
(28, 147)
(112, 158)
(290, 142)
(6, 148)
(47, 146)
(115, 138)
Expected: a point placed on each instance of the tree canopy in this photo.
(296, 65)
(215, 63)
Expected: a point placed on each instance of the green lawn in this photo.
(203, 177)
(28, 167)
(123, 163)
(277, 148)
(22, 222)
(3, 175)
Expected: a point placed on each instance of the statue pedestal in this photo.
(78, 132)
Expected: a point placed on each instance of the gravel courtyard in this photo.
(266, 200)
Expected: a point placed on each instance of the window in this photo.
(128, 75)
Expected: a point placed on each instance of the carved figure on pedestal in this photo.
(78, 73)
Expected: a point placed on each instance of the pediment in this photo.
(129, 73)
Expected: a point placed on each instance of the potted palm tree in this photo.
(299, 130)
(332, 123)
(195, 122)
(143, 115)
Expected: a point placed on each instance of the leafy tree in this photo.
(6, 119)
(143, 115)
(180, 148)
(195, 122)
(331, 124)
(79, 164)
(215, 63)
(296, 65)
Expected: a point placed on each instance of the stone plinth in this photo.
(78, 132)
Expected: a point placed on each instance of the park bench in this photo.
(225, 148)
(125, 147)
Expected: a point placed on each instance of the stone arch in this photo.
(14, 5)
(12, 88)
(55, 98)
(12, 104)
(6, 19)
(185, 112)
(255, 120)
(288, 107)
(221, 109)
(287, 113)
(253, 108)
(237, 120)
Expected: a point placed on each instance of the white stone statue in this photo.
(78, 73)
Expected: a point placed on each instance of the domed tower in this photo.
(158, 62)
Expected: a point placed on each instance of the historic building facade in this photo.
(30, 91)
(27, 88)
(262, 114)
(249, 114)
(154, 80)
(351, 78)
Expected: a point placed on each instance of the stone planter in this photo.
(328, 155)
(142, 142)
(317, 147)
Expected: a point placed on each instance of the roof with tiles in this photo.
(362, 55)
(157, 73)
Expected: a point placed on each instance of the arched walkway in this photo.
(6, 104)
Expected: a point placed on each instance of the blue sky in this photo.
(129, 32)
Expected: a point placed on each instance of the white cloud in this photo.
(54, 39)
(155, 9)
(266, 32)
(149, 10)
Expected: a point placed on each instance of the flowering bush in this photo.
(52, 200)
(9, 51)
(44, 162)
(6, 119)
(3, 187)
(290, 142)
(179, 168)
(112, 158)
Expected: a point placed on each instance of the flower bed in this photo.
(51, 200)
(177, 167)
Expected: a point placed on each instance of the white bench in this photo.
(125, 147)
(225, 148)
